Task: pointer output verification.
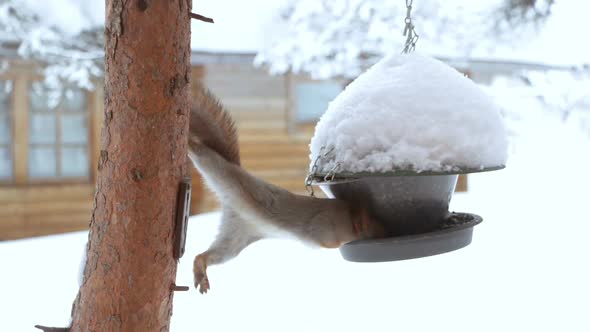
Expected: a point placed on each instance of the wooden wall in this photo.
(272, 148)
(258, 103)
(32, 209)
(41, 207)
(44, 209)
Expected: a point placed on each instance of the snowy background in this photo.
(527, 269)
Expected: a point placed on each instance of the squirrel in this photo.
(253, 209)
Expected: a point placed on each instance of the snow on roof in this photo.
(410, 112)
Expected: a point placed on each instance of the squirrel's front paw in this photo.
(200, 272)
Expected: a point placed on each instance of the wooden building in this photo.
(275, 115)
(48, 156)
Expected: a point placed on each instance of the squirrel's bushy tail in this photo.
(212, 126)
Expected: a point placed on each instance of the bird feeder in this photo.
(413, 207)
(395, 140)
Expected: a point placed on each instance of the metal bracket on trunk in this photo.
(183, 205)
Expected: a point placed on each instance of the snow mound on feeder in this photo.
(410, 112)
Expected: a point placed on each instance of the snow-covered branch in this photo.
(566, 92)
(344, 37)
(67, 58)
(341, 38)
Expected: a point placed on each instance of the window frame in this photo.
(294, 126)
(59, 111)
(22, 79)
(10, 145)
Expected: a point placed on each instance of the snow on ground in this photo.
(527, 269)
(409, 112)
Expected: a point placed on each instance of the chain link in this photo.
(310, 176)
(409, 30)
(314, 171)
(332, 173)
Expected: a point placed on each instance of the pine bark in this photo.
(130, 268)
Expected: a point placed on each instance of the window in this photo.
(6, 164)
(312, 99)
(58, 136)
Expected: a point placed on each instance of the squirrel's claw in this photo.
(200, 272)
(204, 285)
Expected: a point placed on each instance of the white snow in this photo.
(69, 16)
(240, 26)
(328, 39)
(566, 26)
(243, 28)
(448, 28)
(410, 112)
(526, 269)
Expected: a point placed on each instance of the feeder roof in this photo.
(410, 112)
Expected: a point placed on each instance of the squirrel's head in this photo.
(365, 226)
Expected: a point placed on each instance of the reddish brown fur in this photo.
(250, 205)
(211, 125)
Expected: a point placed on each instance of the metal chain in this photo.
(332, 173)
(409, 31)
(314, 171)
(311, 175)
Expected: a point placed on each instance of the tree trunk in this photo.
(130, 268)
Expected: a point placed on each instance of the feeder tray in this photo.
(412, 206)
(455, 232)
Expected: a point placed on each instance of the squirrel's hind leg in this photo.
(200, 273)
(235, 234)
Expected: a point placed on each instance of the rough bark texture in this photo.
(130, 268)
